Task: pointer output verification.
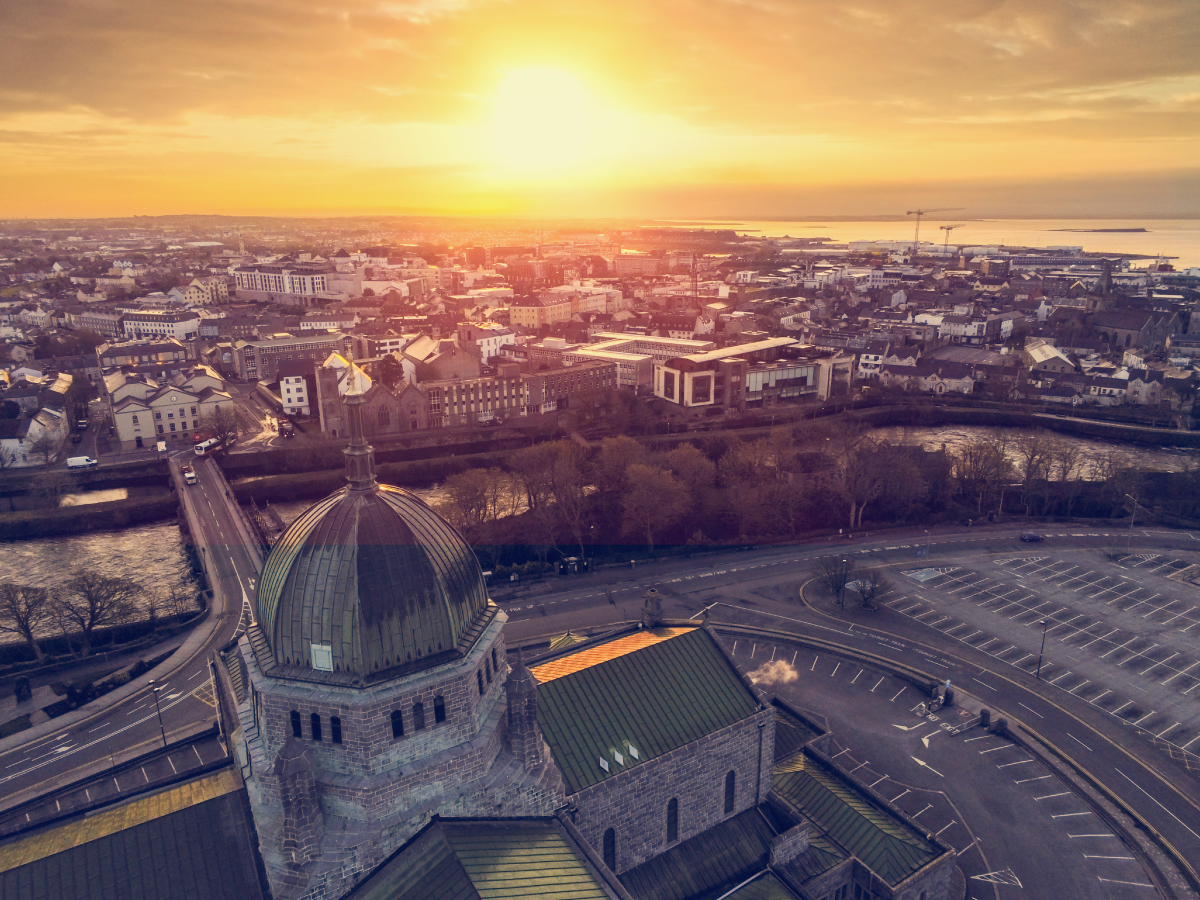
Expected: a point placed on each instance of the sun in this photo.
(543, 122)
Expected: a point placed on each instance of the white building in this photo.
(172, 414)
(179, 324)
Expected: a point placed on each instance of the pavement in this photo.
(761, 589)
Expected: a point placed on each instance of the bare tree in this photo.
(23, 610)
(46, 448)
(980, 466)
(91, 600)
(835, 573)
(1067, 465)
(1034, 452)
(223, 421)
(654, 499)
(871, 584)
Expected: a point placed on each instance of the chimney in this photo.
(787, 846)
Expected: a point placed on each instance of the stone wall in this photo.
(367, 747)
(634, 803)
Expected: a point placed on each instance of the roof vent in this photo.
(603, 763)
(619, 758)
(632, 750)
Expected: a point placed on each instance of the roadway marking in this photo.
(1034, 711)
(1160, 806)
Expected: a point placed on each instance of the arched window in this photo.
(610, 849)
(335, 729)
(479, 678)
(730, 790)
(397, 724)
(418, 716)
(296, 732)
(316, 726)
(673, 820)
(439, 710)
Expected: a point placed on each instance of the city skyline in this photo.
(656, 109)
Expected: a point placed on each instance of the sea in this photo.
(1178, 240)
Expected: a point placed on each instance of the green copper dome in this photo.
(375, 575)
(369, 581)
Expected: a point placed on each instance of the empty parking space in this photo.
(1126, 646)
(1009, 819)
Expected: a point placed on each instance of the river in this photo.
(153, 554)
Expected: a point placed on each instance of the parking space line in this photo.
(1165, 730)
(901, 691)
(1181, 672)
(952, 822)
(1078, 686)
(1052, 796)
(901, 794)
(1159, 663)
(1071, 815)
(1019, 762)
(1038, 778)
(877, 684)
(1060, 677)
(835, 668)
(855, 678)
(1110, 634)
(1144, 718)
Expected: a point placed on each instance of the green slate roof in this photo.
(706, 866)
(656, 699)
(766, 887)
(477, 859)
(881, 840)
(791, 733)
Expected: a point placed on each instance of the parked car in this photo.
(1031, 537)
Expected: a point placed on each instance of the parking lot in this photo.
(1017, 829)
(1122, 634)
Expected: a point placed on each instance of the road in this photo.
(760, 589)
(125, 723)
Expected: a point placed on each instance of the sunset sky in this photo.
(612, 107)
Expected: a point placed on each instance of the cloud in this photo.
(723, 92)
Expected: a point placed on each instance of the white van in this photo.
(82, 462)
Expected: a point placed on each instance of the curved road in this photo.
(125, 723)
(757, 587)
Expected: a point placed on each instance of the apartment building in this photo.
(259, 360)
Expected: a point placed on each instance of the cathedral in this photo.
(385, 744)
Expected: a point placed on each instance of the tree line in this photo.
(86, 602)
(562, 499)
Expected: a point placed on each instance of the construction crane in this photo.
(948, 229)
(924, 212)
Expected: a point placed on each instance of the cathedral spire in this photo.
(360, 456)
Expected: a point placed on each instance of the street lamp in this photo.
(926, 541)
(154, 689)
(1132, 516)
(1044, 624)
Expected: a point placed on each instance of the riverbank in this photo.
(285, 474)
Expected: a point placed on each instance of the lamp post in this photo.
(154, 689)
(1132, 516)
(1045, 623)
(926, 541)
